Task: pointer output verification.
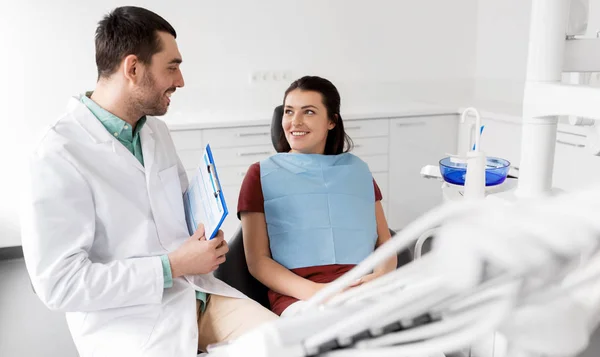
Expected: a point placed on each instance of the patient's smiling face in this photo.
(306, 122)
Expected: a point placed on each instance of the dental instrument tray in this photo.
(454, 170)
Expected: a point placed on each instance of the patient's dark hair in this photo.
(337, 140)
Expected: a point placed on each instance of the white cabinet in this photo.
(369, 128)
(394, 149)
(414, 143)
(236, 148)
(371, 144)
(237, 136)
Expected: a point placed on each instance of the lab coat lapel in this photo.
(157, 192)
(98, 132)
(127, 156)
(148, 151)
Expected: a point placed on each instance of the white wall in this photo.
(48, 55)
(501, 51)
(222, 42)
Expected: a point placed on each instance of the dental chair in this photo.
(234, 271)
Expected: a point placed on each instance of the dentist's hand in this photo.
(198, 255)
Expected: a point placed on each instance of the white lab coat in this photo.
(95, 222)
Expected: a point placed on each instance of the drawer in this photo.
(187, 139)
(366, 128)
(241, 156)
(232, 175)
(377, 163)
(237, 136)
(370, 146)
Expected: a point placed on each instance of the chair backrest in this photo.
(276, 127)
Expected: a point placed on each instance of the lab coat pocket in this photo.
(118, 329)
(172, 189)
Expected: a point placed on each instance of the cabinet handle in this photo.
(353, 128)
(242, 173)
(357, 146)
(570, 144)
(254, 153)
(411, 124)
(573, 134)
(242, 135)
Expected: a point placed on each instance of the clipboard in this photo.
(203, 200)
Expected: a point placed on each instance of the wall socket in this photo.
(271, 76)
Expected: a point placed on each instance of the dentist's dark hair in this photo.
(128, 30)
(337, 140)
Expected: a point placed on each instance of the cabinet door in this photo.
(414, 143)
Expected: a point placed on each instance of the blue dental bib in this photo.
(319, 209)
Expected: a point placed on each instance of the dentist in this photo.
(104, 233)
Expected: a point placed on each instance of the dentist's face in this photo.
(159, 79)
(305, 122)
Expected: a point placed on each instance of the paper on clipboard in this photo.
(203, 200)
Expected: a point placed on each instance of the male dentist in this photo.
(104, 232)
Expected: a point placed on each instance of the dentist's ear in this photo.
(131, 68)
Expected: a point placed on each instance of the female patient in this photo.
(311, 212)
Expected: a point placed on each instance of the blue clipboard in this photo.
(203, 200)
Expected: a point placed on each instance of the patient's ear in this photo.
(332, 122)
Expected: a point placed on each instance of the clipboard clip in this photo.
(217, 187)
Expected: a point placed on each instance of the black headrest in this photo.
(276, 128)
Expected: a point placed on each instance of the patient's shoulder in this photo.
(251, 198)
(252, 176)
(254, 169)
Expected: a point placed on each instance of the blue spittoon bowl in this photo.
(496, 171)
